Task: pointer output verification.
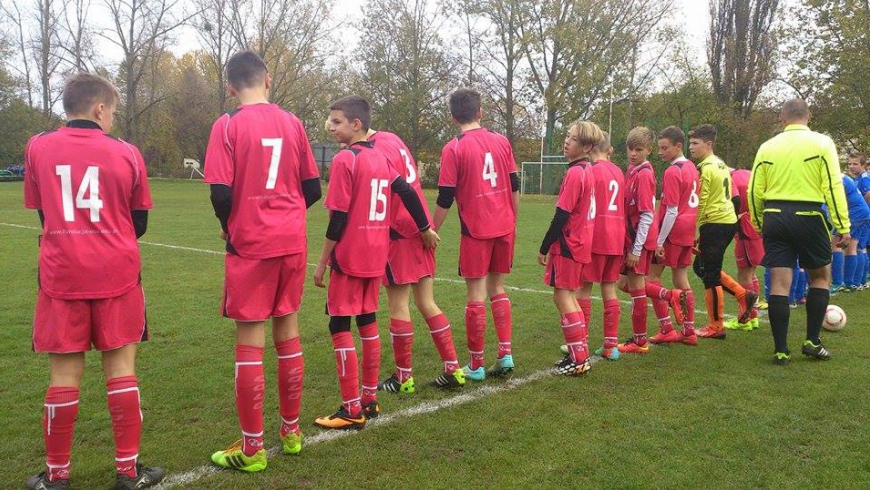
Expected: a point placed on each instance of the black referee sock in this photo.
(778, 312)
(817, 305)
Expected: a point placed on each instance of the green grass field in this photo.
(719, 415)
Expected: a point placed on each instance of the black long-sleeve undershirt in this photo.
(222, 202)
(412, 203)
(311, 191)
(447, 194)
(337, 222)
(555, 231)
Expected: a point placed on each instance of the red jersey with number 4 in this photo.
(576, 197)
(87, 185)
(403, 163)
(609, 228)
(478, 163)
(262, 152)
(640, 197)
(680, 189)
(740, 183)
(359, 185)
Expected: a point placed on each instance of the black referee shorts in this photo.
(795, 231)
(713, 240)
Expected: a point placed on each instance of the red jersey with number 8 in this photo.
(609, 230)
(87, 185)
(262, 152)
(680, 189)
(401, 160)
(359, 185)
(478, 163)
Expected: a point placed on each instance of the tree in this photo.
(215, 32)
(22, 45)
(77, 45)
(45, 46)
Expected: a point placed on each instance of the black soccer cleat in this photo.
(40, 482)
(145, 478)
(567, 367)
(819, 352)
(450, 381)
(371, 410)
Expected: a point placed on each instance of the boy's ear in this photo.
(357, 125)
(230, 89)
(268, 81)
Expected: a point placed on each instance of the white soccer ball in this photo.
(835, 319)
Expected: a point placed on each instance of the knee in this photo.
(365, 319)
(338, 324)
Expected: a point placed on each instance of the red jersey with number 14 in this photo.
(609, 229)
(576, 197)
(359, 185)
(403, 163)
(262, 152)
(478, 163)
(680, 189)
(640, 197)
(87, 185)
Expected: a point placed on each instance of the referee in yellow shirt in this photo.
(717, 223)
(795, 172)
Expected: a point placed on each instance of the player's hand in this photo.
(224, 235)
(631, 260)
(660, 251)
(842, 240)
(430, 238)
(542, 259)
(319, 272)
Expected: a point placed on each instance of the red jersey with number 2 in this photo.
(478, 163)
(401, 161)
(680, 189)
(609, 229)
(359, 185)
(87, 185)
(262, 152)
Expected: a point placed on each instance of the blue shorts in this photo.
(861, 232)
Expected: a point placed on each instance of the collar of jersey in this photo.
(681, 160)
(796, 127)
(639, 166)
(83, 124)
(364, 143)
(578, 162)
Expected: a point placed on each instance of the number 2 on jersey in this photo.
(489, 172)
(90, 184)
(275, 144)
(613, 187)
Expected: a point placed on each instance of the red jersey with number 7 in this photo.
(262, 152)
(87, 185)
(478, 163)
(680, 189)
(401, 161)
(609, 229)
(360, 180)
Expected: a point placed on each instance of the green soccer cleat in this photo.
(392, 385)
(478, 374)
(233, 457)
(292, 443)
(781, 358)
(819, 352)
(733, 324)
(502, 367)
(753, 324)
(448, 381)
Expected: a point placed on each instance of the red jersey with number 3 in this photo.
(262, 152)
(359, 185)
(740, 182)
(680, 189)
(576, 197)
(640, 197)
(87, 185)
(478, 163)
(609, 228)
(403, 163)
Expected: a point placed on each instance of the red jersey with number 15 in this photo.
(680, 189)
(262, 152)
(359, 185)
(478, 163)
(640, 197)
(401, 161)
(609, 230)
(87, 185)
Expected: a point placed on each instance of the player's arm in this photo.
(515, 194)
(222, 202)
(643, 226)
(671, 186)
(308, 172)
(755, 190)
(446, 185)
(140, 221)
(334, 231)
(560, 219)
(412, 203)
(706, 182)
(832, 187)
(311, 190)
(446, 194)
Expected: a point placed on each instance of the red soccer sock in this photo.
(657, 294)
(586, 307)
(439, 328)
(611, 323)
(291, 371)
(475, 331)
(58, 422)
(573, 330)
(348, 372)
(123, 400)
(689, 323)
(624, 287)
(655, 291)
(371, 361)
(250, 394)
(501, 317)
(402, 338)
(638, 316)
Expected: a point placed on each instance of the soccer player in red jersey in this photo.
(567, 246)
(92, 196)
(356, 248)
(608, 246)
(411, 267)
(478, 170)
(263, 178)
(677, 214)
(748, 247)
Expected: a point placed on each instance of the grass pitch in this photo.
(718, 415)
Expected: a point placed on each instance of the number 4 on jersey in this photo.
(90, 185)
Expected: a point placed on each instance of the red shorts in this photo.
(477, 258)
(256, 289)
(351, 295)
(675, 256)
(643, 263)
(409, 261)
(603, 268)
(748, 253)
(63, 326)
(563, 273)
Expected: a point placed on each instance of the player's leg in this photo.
(780, 257)
(612, 312)
(350, 414)
(291, 374)
(584, 296)
(501, 317)
(637, 344)
(664, 300)
(442, 337)
(838, 272)
(815, 258)
(574, 331)
(681, 281)
(713, 242)
(402, 340)
(370, 338)
(475, 327)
